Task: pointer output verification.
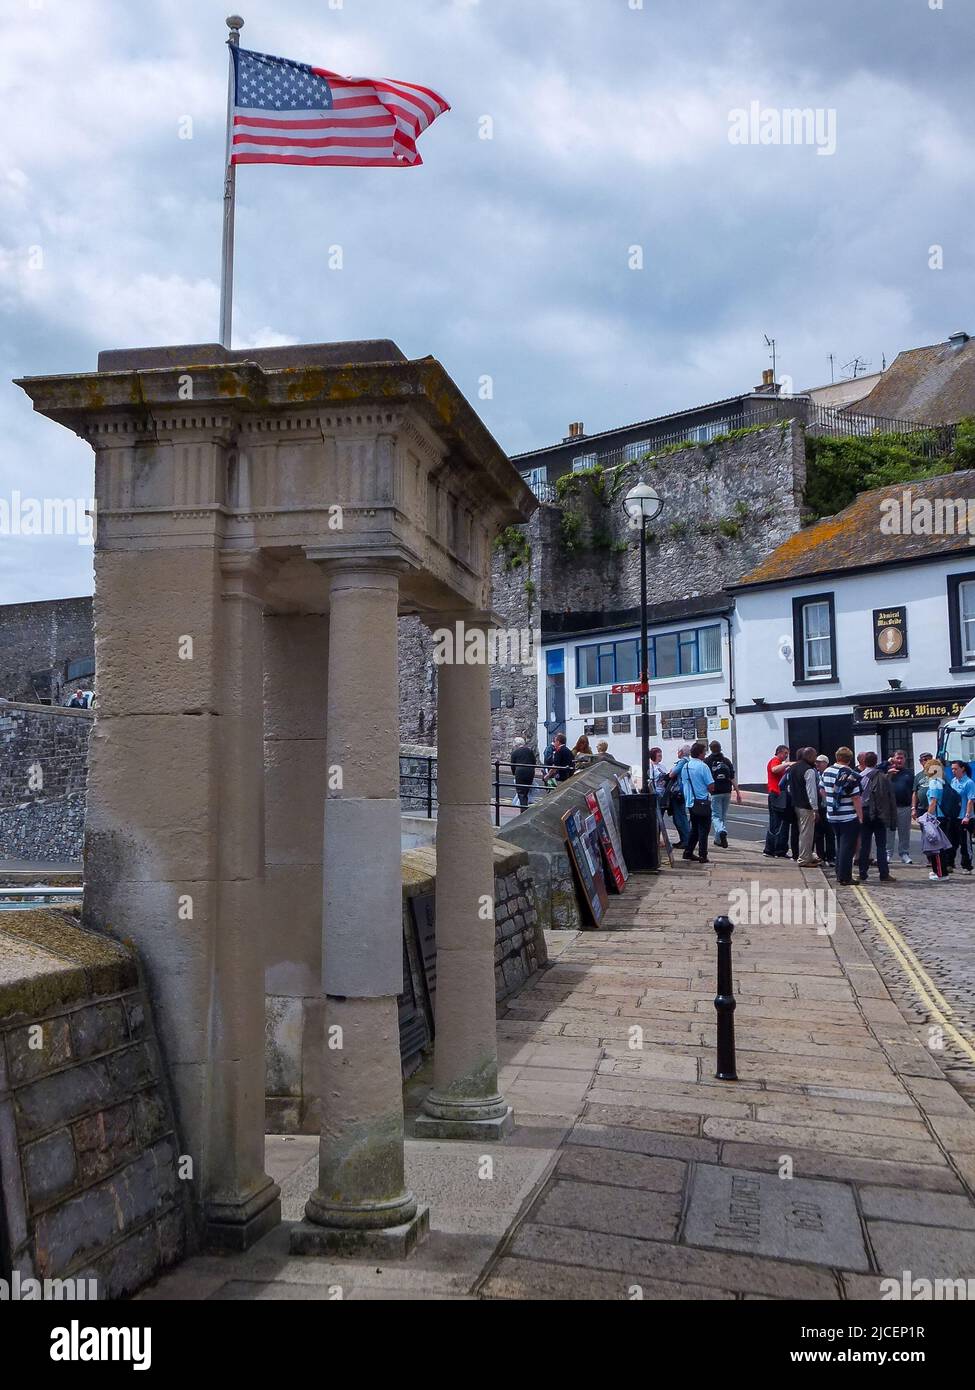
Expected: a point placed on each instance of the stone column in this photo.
(295, 686)
(241, 1201)
(361, 1201)
(465, 1102)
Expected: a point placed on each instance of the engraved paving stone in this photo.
(792, 1219)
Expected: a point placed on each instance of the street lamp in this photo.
(642, 504)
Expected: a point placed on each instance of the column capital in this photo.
(392, 559)
(246, 573)
(483, 618)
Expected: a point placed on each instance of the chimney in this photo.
(576, 430)
(957, 341)
(769, 386)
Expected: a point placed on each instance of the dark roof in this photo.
(853, 539)
(575, 440)
(933, 385)
(582, 624)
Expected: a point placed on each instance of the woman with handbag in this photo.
(933, 839)
(697, 786)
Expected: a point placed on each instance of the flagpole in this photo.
(234, 24)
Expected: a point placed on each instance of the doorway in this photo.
(825, 734)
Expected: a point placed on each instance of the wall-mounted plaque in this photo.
(889, 634)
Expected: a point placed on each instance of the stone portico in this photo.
(263, 519)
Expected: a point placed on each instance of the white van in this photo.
(956, 737)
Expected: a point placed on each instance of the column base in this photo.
(436, 1127)
(231, 1227)
(384, 1243)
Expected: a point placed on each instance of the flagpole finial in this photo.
(235, 24)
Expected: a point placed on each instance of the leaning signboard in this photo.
(613, 866)
(585, 856)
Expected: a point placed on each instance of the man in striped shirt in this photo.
(844, 810)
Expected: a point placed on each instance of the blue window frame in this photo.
(692, 652)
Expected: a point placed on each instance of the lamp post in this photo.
(642, 504)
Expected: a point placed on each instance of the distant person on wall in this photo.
(675, 798)
(844, 810)
(879, 817)
(562, 759)
(804, 794)
(547, 759)
(698, 785)
(523, 761)
(723, 772)
(825, 840)
(901, 780)
(779, 809)
(77, 700)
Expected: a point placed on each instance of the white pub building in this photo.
(859, 630)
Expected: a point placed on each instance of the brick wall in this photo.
(88, 1152)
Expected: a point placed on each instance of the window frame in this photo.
(955, 583)
(799, 605)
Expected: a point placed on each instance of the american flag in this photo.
(292, 113)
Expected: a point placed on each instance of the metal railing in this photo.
(418, 785)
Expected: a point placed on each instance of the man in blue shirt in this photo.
(902, 784)
(958, 828)
(697, 786)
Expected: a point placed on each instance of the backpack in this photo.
(950, 802)
(847, 783)
(721, 772)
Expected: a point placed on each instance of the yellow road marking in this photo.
(924, 987)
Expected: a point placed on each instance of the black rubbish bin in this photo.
(638, 832)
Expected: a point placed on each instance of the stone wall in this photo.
(726, 507)
(43, 772)
(293, 1024)
(38, 636)
(88, 1151)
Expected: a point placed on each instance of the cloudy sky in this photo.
(507, 257)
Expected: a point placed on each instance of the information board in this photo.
(603, 798)
(585, 855)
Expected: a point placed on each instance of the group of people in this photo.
(835, 813)
(559, 761)
(696, 792)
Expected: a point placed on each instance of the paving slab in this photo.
(791, 1219)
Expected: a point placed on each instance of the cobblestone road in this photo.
(937, 922)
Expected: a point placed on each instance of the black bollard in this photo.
(724, 1002)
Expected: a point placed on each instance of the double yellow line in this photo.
(924, 987)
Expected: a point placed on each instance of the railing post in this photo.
(724, 1002)
(497, 792)
(429, 788)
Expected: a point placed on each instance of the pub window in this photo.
(961, 620)
(966, 620)
(814, 633)
(585, 704)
